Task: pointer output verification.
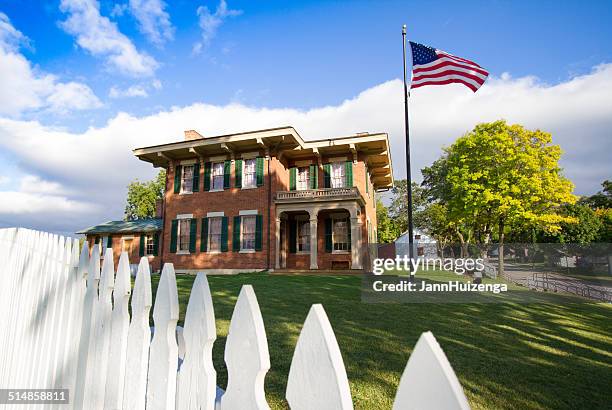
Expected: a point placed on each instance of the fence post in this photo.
(163, 361)
(120, 322)
(428, 381)
(246, 356)
(197, 377)
(317, 377)
(139, 340)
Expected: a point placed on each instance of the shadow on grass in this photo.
(506, 355)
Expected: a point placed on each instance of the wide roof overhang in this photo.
(286, 142)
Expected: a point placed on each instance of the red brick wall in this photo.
(233, 200)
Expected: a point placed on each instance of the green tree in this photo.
(500, 175)
(398, 209)
(585, 228)
(141, 197)
(387, 230)
(602, 199)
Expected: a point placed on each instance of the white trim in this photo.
(215, 214)
(184, 216)
(189, 162)
(183, 252)
(127, 237)
(303, 163)
(249, 155)
(247, 251)
(218, 158)
(248, 212)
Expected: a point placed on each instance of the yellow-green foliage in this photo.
(500, 173)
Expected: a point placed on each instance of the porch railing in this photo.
(322, 194)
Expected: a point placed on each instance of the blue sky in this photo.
(81, 73)
(311, 54)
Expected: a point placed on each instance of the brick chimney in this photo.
(192, 135)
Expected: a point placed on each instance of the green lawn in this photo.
(506, 355)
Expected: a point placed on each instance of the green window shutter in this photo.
(196, 177)
(192, 235)
(327, 175)
(292, 236)
(224, 234)
(259, 168)
(207, 176)
(177, 179)
(227, 170)
(236, 235)
(109, 242)
(367, 181)
(97, 240)
(173, 235)
(156, 243)
(314, 177)
(349, 173)
(238, 171)
(328, 235)
(258, 231)
(204, 235)
(292, 178)
(142, 244)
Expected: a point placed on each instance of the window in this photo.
(302, 179)
(149, 245)
(217, 176)
(249, 176)
(187, 179)
(303, 236)
(214, 234)
(340, 234)
(127, 245)
(183, 234)
(337, 174)
(247, 231)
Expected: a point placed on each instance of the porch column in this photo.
(313, 241)
(356, 243)
(277, 250)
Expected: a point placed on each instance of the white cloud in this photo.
(210, 23)
(4, 180)
(25, 87)
(101, 37)
(132, 91)
(153, 20)
(94, 167)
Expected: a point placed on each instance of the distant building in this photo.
(424, 245)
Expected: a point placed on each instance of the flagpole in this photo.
(408, 173)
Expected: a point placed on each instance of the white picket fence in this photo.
(66, 324)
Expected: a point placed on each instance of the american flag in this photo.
(431, 66)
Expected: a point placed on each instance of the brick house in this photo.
(268, 199)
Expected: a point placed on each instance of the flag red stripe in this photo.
(449, 81)
(444, 53)
(418, 69)
(479, 80)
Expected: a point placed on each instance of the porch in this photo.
(319, 229)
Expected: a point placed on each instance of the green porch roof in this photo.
(141, 225)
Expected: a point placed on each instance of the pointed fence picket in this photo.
(68, 326)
